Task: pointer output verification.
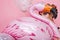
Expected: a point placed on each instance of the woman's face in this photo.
(48, 15)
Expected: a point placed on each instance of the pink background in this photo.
(9, 11)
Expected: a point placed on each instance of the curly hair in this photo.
(54, 11)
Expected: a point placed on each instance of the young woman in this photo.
(39, 26)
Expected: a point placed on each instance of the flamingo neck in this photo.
(45, 20)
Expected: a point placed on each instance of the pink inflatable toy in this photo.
(35, 27)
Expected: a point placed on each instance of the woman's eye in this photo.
(45, 13)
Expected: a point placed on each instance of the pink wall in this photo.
(9, 11)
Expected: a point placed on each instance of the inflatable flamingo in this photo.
(35, 27)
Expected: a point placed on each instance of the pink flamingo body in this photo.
(35, 27)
